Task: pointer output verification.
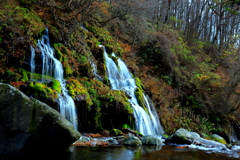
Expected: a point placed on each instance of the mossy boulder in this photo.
(42, 91)
(217, 138)
(56, 85)
(182, 136)
(132, 141)
(28, 125)
(76, 89)
(151, 140)
(116, 132)
(103, 108)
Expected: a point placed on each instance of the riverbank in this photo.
(193, 144)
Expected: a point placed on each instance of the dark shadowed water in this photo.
(148, 153)
(166, 152)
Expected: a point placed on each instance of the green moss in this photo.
(116, 132)
(140, 98)
(217, 139)
(126, 126)
(67, 68)
(24, 20)
(41, 90)
(102, 100)
(75, 88)
(120, 96)
(25, 75)
(62, 55)
(140, 134)
(97, 118)
(82, 59)
(57, 47)
(139, 83)
(56, 86)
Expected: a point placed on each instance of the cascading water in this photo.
(121, 79)
(53, 67)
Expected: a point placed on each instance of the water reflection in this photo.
(165, 152)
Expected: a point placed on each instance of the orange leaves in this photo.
(183, 147)
(92, 144)
(126, 47)
(100, 9)
(40, 13)
(17, 84)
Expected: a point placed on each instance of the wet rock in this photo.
(116, 132)
(182, 136)
(28, 125)
(92, 143)
(132, 141)
(105, 133)
(129, 131)
(217, 138)
(82, 140)
(113, 141)
(210, 143)
(151, 140)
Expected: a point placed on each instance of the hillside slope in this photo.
(193, 83)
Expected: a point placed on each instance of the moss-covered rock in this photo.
(151, 140)
(42, 91)
(182, 136)
(26, 122)
(140, 98)
(126, 126)
(217, 138)
(59, 54)
(132, 141)
(24, 20)
(104, 108)
(63, 55)
(76, 89)
(56, 86)
(116, 132)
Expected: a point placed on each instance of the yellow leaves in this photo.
(202, 77)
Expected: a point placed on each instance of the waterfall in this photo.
(121, 79)
(53, 67)
(32, 63)
(93, 64)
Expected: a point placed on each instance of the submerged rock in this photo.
(28, 125)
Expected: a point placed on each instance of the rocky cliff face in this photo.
(28, 125)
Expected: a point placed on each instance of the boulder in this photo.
(116, 132)
(217, 138)
(182, 136)
(28, 125)
(210, 143)
(151, 140)
(132, 141)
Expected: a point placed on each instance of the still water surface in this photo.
(165, 152)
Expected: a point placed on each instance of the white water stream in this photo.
(121, 79)
(53, 67)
